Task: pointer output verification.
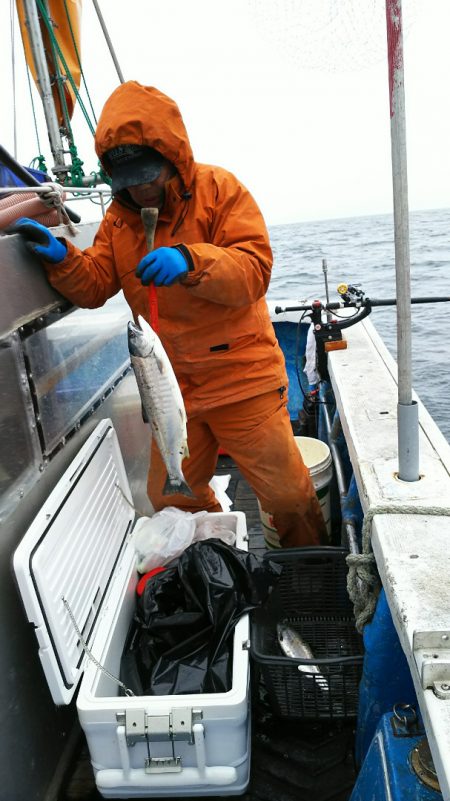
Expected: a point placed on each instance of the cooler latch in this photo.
(177, 725)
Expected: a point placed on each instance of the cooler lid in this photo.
(69, 553)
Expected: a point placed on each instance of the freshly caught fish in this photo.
(293, 646)
(161, 400)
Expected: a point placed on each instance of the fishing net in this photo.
(328, 35)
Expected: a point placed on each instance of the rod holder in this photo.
(408, 441)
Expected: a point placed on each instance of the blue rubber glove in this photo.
(163, 266)
(39, 239)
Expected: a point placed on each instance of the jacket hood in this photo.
(142, 115)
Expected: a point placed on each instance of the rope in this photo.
(74, 42)
(54, 42)
(363, 581)
(363, 587)
(53, 197)
(56, 51)
(77, 173)
(34, 115)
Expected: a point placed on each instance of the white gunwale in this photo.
(411, 550)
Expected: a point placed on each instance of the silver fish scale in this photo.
(295, 647)
(162, 401)
(157, 398)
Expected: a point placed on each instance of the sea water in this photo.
(360, 250)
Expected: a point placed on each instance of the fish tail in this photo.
(174, 487)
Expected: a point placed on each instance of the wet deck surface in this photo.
(291, 761)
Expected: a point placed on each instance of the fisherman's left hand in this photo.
(39, 239)
(162, 266)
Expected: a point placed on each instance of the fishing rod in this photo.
(367, 302)
(355, 298)
(328, 333)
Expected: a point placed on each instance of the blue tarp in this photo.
(7, 177)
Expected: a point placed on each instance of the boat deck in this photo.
(291, 761)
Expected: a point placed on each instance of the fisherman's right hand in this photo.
(163, 267)
(39, 239)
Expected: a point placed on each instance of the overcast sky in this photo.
(290, 95)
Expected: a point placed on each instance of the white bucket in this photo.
(317, 458)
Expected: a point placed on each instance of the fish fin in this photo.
(160, 364)
(145, 416)
(174, 488)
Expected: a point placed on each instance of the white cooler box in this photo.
(77, 563)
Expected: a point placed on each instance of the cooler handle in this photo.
(217, 775)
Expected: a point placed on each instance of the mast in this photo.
(37, 47)
(407, 409)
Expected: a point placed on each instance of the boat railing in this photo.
(100, 196)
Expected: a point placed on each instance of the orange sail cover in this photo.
(66, 18)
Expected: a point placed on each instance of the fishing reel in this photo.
(350, 293)
(328, 333)
(328, 329)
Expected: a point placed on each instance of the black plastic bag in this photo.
(181, 638)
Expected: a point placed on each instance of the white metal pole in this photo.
(108, 40)
(51, 117)
(407, 409)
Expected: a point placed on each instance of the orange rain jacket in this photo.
(215, 326)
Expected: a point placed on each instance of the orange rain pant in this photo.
(257, 434)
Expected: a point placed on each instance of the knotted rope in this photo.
(363, 581)
(53, 197)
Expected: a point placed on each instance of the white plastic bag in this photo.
(163, 537)
(219, 486)
(310, 353)
(209, 526)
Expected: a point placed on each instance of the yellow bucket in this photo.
(317, 458)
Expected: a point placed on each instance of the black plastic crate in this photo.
(311, 598)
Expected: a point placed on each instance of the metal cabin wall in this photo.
(37, 736)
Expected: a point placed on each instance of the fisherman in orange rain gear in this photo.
(211, 265)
